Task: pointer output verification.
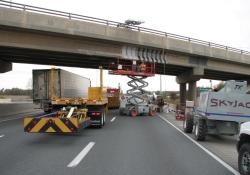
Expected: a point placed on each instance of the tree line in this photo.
(16, 91)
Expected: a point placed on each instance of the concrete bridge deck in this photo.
(35, 35)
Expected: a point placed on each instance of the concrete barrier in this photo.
(10, 109)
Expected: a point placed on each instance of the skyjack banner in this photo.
(225, 103)
(214, 102)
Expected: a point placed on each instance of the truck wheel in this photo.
(133, 113)
(104, 118)
(120, 112)
(188, 123)
(244, 159)
(101, 122)
(200, 130)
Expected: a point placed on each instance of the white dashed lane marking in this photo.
(81, 155)
(113, 119)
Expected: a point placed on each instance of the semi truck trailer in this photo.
(59, 84)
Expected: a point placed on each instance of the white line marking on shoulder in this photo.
(231, 169)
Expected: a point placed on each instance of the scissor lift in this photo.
(136, 101)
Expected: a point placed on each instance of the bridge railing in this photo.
(73, 16)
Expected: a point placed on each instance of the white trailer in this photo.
(60, 84)
(219, 113)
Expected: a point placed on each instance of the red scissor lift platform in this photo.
(132, 70)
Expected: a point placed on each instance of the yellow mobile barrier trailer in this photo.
(70, 115)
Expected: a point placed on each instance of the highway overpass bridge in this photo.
(36, 35)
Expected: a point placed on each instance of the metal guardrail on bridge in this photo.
(114, 24)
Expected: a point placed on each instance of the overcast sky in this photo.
(221, 21)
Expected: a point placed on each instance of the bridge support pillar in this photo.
(5, 66)
(189, 77)
(183, 95)
(192, 91)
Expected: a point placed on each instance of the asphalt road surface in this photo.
(125, 146)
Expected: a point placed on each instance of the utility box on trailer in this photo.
(220, 112)
(113, 97)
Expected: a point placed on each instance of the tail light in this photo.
(95, 113)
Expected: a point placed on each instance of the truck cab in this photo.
(243, 148)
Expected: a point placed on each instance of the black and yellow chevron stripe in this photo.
(51, 125)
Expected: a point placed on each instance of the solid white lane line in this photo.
(81, 155)
(235, 172)
(1, 136)
(113, 119)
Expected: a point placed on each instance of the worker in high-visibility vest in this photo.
(143, 67)
(134, 66)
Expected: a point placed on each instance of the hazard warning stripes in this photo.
(50, 125)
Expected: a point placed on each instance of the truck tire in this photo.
(200, 130)
(244, 159)
(120, 112)
(101, 122)
(188, 123)
(104, 118)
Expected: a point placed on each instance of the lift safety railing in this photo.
(149, 69)
(73, 16)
